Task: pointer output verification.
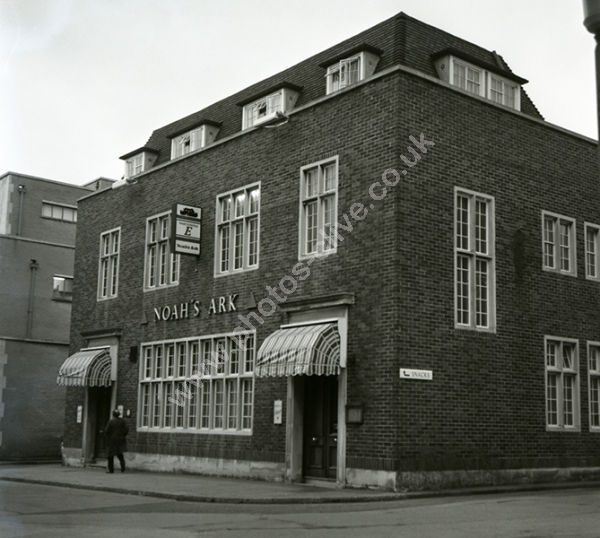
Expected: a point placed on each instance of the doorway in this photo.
(320, 436)
(101, 396)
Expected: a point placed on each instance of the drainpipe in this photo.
(33, 267)
(591, 20)
(21, 190)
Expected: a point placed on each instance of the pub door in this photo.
(101, 397)
(320, 426)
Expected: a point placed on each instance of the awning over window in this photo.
(302, 350)
(86, 368)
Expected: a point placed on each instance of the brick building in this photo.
(37, 244)
(379, 266)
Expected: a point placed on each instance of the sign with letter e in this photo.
(186, 229)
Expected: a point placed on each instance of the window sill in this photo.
(156, 288)
(562, 429)
(559, 272)
(491, 330)
(236, 272)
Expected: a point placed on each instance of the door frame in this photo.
(294, 435)
(88, 440)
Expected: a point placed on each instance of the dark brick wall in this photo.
(485, 406)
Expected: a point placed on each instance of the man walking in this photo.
(115, 432)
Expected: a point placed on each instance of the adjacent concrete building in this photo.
(38, 220)
(380, 266)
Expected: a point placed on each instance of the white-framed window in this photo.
(468, 77)
(318, 208)
(161, 268)
(62, 288)
(350, 70)
(58, 211)
(594, 384)
(134, 165)
(592, 251)
(188, 142)
(108, 264)
(344, 73)
(479, 81)
(237, 232)
(474, 260)
(267, 107)
(562, 383)
(263, 109)
(502, 91)
(558, 244)
(198, 385)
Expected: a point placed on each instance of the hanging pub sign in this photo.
(185, 229)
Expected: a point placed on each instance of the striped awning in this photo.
(301, 350)
(86, 368)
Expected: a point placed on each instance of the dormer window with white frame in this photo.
(351, 69)
(267, 107)
(138, 161)
(480, 81)
(194, 139)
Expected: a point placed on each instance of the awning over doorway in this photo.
(301, 350)
(86, 368)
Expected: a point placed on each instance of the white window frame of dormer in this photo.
(341, 68)
(196, 139)
(253, 114)
(136, 164)
(486, 80)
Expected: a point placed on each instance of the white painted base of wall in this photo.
(72, 457)
(206, 466)
(436, 480)
(367, 478)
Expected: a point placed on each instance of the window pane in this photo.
(595, 401)
(462, 290)
(310, 211)
(481, 292)
(218, 406)
(462, 222)
(591, 252)
(205, 407)
(568, 395)
(253, 242)
(565, 241)
(481, 231)
(238, 245)
(46, 210)
(549, 242)
(552, 402)
(224, 248)
(232, 403)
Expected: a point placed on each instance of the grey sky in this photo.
(85, 81)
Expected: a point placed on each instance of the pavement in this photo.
(187, 487)
(200, 488)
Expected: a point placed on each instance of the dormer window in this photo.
(468, 78)
(268, 107)
(135, 165)
(482, 80)
(345, 73)
(351, 67)
(139, 161)
(199, 137)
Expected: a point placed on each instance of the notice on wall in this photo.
(277, 412)
(411, 373)
(79, 414)
(186, 229)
